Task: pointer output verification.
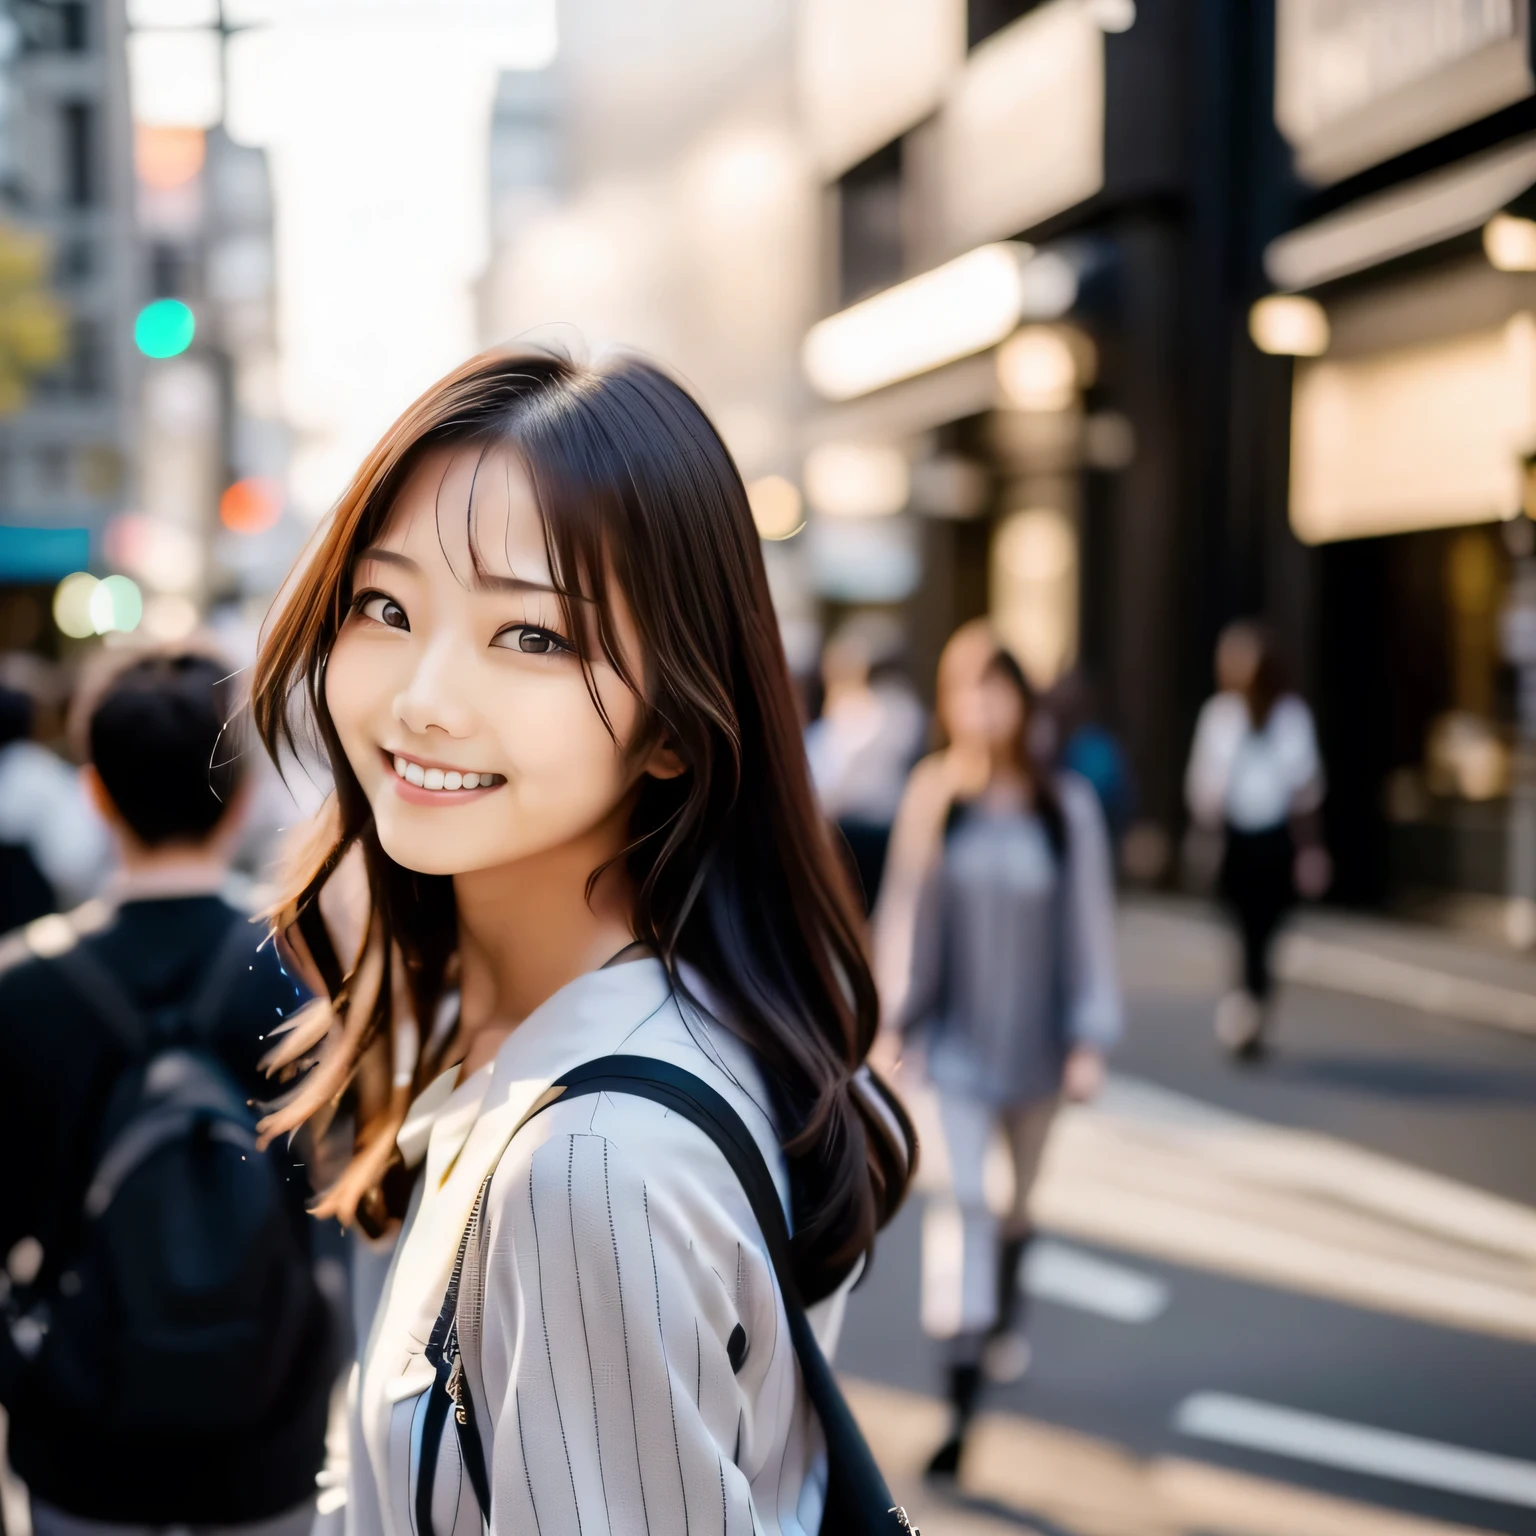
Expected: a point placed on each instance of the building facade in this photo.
(67, 446)
(1408, 433)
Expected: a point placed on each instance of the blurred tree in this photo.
(34, 325)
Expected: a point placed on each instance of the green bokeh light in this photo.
(164, 328)
(116, 604)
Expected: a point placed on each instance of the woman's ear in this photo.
(663, 762)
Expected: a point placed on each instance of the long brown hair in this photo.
(734, 872)
(1042, 786)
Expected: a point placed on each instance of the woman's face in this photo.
(989, 713)
(458, 696)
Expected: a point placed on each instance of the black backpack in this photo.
(858, 1501)
(183, 1299)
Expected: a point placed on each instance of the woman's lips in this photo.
(419, 784)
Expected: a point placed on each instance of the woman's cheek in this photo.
(350, 689)
(568, 750)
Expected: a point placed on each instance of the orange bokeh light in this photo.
(166, 158)
(251, 506)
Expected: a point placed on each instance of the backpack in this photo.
(858, 1501)
(182, 1299)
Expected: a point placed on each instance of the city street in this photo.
(1292, 1300)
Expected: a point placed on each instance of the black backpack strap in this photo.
(858, 1500)
(105, 996)
(109, 1001)
(231, 960)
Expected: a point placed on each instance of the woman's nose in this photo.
(433, 697)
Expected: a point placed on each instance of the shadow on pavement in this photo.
(995, 1509)
(1423, 1080)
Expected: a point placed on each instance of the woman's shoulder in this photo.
(647, 1144)
(1079, 799)
(1291, 712)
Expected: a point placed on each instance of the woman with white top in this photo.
(1013, 997)
(1255, 777)
(536, 645)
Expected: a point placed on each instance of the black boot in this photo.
(1010, 1298)
(964, 1389)
(1005, 1356)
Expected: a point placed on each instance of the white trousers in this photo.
(961, 1289)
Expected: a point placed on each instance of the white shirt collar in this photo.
(588, 1017)
(462, 1131)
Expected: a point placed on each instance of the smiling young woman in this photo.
(536, 644)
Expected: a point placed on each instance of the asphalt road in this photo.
(1437, 1096)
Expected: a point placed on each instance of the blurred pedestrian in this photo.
(167, 1357)
(1013, 995)
(956, 769)
(54, 850)
(1255, 777)
(864, 743)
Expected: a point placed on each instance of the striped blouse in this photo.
(638, 1371)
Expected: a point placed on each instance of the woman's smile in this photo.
(422, 783)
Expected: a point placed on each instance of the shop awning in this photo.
(966, 388)
(1408, 218)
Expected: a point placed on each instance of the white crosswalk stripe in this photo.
(1314, 1437)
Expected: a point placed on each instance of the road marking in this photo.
(1331, 1442)
(1074, 1278)
(1025, 1475)
(1341, 968)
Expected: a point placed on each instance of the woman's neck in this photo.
(1009, 785)
(526, 929)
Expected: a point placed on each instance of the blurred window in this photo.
(72, 26)
(58, 26)
(82, 372)
(51, 469)
(871, 250)
(78, 134)
(170, 272)
(984, 17)
(75, 260)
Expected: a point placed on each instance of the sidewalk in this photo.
(1027, 1478)
(1434, 970)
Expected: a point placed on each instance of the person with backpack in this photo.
(166, 1358)
(606, 1028)
(1012, 996)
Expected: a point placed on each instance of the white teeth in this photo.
(442, 778)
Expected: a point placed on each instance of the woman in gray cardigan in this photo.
(1013, 995)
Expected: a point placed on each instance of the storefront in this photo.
(1412, 315)
(995, 418)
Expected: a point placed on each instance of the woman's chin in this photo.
(428, 850)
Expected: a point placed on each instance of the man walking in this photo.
(167, 1359)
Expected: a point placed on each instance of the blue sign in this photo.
(42, 554)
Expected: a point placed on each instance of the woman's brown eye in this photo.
(530, 640)
(384, 610)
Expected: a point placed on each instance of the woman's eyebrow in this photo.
(486, 582)
(389, 557)
(483, 579)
